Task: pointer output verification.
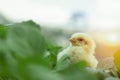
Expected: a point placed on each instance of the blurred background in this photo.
(60, 18)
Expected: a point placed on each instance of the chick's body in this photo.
(82, 47)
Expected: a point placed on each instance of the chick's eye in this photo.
(80, 39)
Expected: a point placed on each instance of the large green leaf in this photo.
(36, 68)
(19, 41)
(26, 39)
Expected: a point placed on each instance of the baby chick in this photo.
(82, 47)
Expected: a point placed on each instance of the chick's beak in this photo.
(72, 40)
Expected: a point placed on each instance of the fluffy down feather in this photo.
(82, 47)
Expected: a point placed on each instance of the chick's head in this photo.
(83, 40)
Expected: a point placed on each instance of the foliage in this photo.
(25, 54)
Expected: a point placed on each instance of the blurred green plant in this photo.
(25, 54)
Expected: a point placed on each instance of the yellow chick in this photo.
(82, 47)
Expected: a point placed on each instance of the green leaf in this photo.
(26, 39)
(74, 73)
(24, 65)
(53, 50)
(19, 41)
(3, 31)
(112, 78)
(40, 73)
(63, 63)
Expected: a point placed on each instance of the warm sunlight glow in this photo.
(108, 38)
(107, 43)
(113, 38)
